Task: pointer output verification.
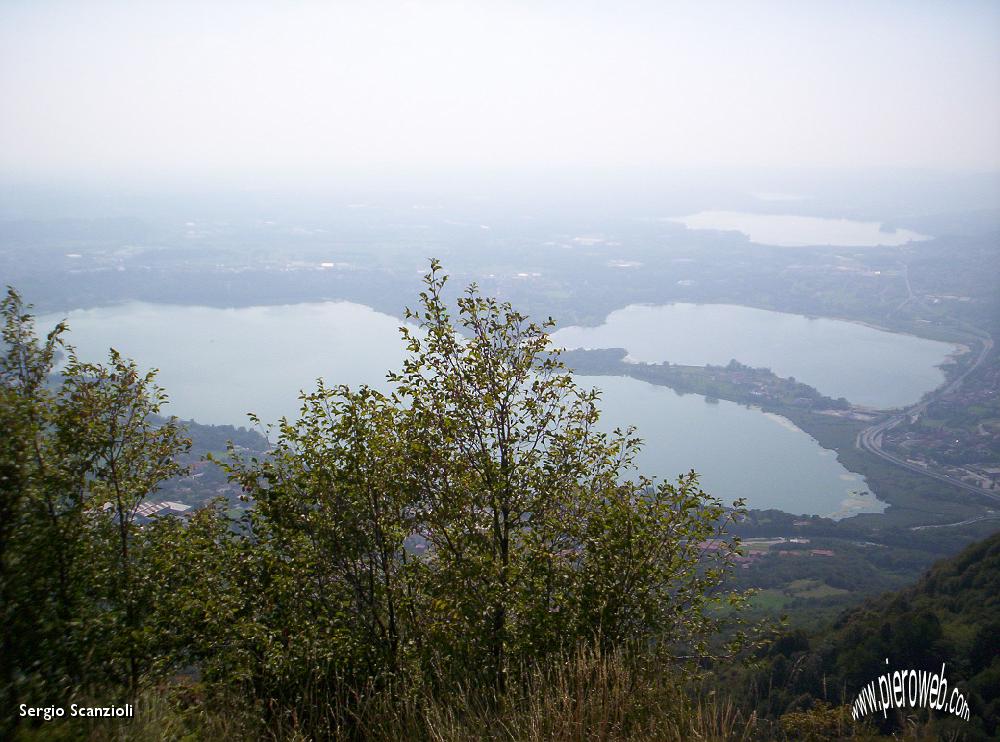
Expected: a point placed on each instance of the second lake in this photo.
(870, 367)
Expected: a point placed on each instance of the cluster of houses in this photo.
(755, 549)
(968, 448)
(145, 512)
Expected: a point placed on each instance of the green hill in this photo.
(950, 616)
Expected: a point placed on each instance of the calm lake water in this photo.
(785, 230)
(841, 359)
(737, 451)
(219, 364)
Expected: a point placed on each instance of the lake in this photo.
(738, 451)
(841, 359)
(787, 230)
(218, 364)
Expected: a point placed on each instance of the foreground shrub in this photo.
(470, 542)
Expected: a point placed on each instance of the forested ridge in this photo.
(950, 617)
(468, 556)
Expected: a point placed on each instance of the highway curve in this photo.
(870, 439)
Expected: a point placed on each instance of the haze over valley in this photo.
(769, 237)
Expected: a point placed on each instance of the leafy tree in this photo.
(456, 532)
(477, 518)
(80, 452)
(26, 505)
(329, 581)
(205, 587)
(107, 427)
(538, 538)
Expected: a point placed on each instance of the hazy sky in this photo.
(289, 89)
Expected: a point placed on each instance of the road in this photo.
(960, 523)
(870, 439)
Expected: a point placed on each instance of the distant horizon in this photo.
(266, 92)
(865, 194)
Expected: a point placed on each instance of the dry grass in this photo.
(586, 696)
